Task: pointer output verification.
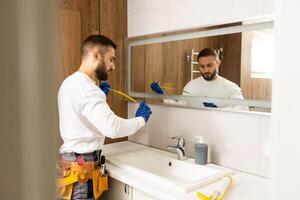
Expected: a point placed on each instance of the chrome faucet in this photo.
(180, 148)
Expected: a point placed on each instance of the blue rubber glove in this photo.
(143, 111)
(210, 105)
(156, 87)
(105, 87)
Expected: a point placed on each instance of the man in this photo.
(209, 84)
(84, 116)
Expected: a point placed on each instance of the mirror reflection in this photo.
(229, 66)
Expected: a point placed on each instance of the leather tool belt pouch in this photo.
(69, 173)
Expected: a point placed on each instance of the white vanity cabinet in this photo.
(117, 191)
(138, 195)
(121, 191)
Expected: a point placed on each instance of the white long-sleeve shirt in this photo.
(85, 118)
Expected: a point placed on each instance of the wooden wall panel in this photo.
(76, 20)
(69, 30)
(89, 14)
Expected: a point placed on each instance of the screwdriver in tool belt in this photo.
(102, 166)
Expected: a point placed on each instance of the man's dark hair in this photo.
(93, 41)
(208, 52)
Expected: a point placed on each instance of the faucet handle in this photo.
(181, 140)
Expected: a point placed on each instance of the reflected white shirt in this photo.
(85, 118)
(218, 88)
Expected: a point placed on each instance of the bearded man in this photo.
(85, 119)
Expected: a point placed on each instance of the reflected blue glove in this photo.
(210, 105)
(105, 87)
(156, 87)
(143, 111)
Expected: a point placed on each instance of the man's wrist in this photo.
(141, 120)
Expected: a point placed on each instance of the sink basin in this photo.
(160, 168)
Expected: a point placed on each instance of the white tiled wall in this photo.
(237, 140)
(265, 146)
(153, 16)
(268, 6)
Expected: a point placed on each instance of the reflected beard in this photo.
(101, 72)
(209, 76)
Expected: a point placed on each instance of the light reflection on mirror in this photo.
(262, 51)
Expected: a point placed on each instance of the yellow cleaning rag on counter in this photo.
(220, 190)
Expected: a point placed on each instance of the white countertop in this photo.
(245, 186)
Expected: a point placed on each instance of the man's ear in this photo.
(96, 54)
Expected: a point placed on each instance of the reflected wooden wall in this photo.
(76, 19)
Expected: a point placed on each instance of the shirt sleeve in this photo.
(187, 91)
(94, 108)
(236, 93)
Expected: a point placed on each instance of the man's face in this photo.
(106, 64)
(208, 67)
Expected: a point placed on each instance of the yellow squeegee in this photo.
(123, 94)
(166, 88)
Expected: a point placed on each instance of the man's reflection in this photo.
(210, 84)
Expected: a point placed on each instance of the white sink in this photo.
(162, 169)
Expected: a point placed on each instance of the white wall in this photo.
(153, 16)
(285, 176)
(237, 140)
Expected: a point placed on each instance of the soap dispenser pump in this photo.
(201, 150)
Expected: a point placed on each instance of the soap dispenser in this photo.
(201, 150)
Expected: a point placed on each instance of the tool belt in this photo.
(70, 172)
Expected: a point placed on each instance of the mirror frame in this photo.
(192, 35)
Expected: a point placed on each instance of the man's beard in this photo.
(101, 71)
(209, 76)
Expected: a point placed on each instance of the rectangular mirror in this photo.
(246, 62)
